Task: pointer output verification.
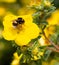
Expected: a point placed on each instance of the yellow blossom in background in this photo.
(37, 54)
(25, 2)
(35, 51)
(8, 1)
(25, 11)
(45, 63)
(40, 53)
(22, 34)
(30, 2)
(2, 11)
(53, 61)
(35, 58)
(43, 42)
(16, 59)
(34, 2)
(47, 3)
(49, 30)
(54, 18)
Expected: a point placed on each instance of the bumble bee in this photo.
(18, 21)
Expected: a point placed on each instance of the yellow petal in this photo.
(54, 19)
(22, 39)
(8, 35)
(8, 19)
(32, 31)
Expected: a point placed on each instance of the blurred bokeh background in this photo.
(17, 7)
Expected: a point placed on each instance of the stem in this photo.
(56, 46)
(53, 49)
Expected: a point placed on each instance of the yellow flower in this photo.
(42, 41)
(45, 63)
(30, 2)
(47, 3)
(22, 33)
(25, 11)
(53, 62)
(25, 2)
(40, 53)
(35, 58)
(2, 11)
(35, 51)
(16, 59)
(10, 1)
(35, 2)
(49, 30)
(54, 19)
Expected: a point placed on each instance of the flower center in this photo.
(18, 24)
(18, 21)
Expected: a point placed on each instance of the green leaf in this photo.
(38, 62)
(47, 55)
(56, 56)
(18, 51)
(34, 45)
(53, 37)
